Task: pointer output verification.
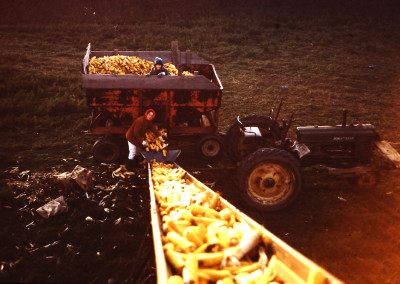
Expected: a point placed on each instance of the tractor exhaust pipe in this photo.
(344, 123)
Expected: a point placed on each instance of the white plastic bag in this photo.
(53, 207)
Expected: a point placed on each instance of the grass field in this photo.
(319, 57)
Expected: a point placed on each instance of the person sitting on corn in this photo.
(136, 137)
(158, 68)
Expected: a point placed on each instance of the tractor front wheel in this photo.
(270, 179)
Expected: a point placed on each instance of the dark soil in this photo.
(352, 232)
(105, 235)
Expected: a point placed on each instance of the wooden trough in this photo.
(291, 266)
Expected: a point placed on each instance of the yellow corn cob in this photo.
(175, 279)
(173, 227)
(210, 259)
(214, 201)
(153, 142)
(224, 238)
(211, 235)
(201, 210)
(204, 220)
(181, 242)
(192, 267)
(168, 246)
(225, 281)
(214, 274)
(243, 269)
(203, 248)
(174, 259)
(190, 235)
(201, 232)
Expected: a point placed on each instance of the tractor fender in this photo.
(271, 131)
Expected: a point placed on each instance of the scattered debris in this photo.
(83, 177)
(65, 180)
(53, 207)
(100, 201)
(14, 170)
(122, 172)
(80, 176)
(90, 219)
(24, 173)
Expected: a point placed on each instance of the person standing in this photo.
(136, 137)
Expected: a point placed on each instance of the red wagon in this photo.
(185, 105)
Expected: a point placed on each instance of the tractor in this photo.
(270, 163)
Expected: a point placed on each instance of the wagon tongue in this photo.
(170, 157)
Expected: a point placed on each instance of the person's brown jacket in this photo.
(136, 133)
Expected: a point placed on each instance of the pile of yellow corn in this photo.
(156, 144)
(121, 64)
(203, 242)
(174, 71)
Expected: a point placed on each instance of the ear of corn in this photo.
(175, 279)
(154, 143)
(174, 260)
(192, 267)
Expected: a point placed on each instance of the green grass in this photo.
(319, 58)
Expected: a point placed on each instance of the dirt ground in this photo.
(105, 236)
(352, 232)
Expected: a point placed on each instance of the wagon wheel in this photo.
(106, 150)
(210, 146)
(239, 147)
(269, 179)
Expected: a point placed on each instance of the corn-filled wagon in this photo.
(117, 91)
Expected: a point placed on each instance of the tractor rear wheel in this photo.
(270, 179)
(210, 147)
(106, 150)
(238, 146)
